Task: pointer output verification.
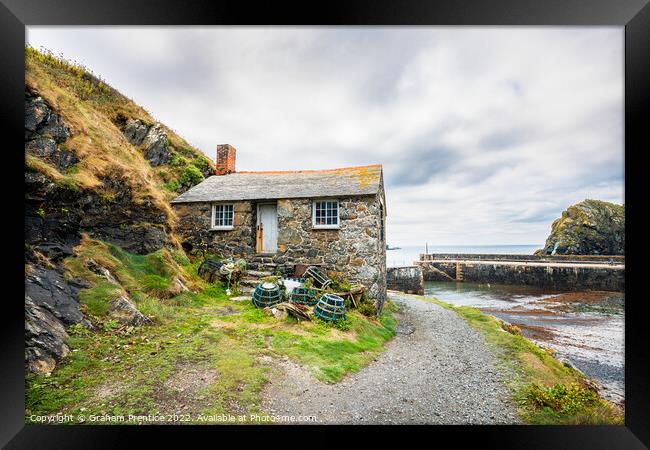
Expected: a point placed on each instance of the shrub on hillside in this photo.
(191, 176)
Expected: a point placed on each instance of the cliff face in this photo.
(96, 165)
(591, 227)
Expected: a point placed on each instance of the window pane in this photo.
(223, 215)
(326, 212)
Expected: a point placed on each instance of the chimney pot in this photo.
(225, 162)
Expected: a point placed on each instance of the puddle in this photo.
(587, 328)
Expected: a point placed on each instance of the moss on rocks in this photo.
(591, 227)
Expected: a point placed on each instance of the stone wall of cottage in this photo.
(194, 221)
(357, 248)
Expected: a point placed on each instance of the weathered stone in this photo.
(45, 338)
(290, 236)
(122, 310)
(156, 149)
(368, 273)
(40, 120)
(564, 277)
(101, 270)
(65, 159)
(43, 147)
(47, 289)
(36, 111)
(44, 131)
(178, 286)
(135, 131)
(54, 128)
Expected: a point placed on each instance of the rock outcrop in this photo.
(48, 290)
(124, 311)
(45, 338)
(55, 217)
(591, 227)
(45, 132)
(153, 139)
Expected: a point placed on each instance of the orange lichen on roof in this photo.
(256, 185)
(340, 169)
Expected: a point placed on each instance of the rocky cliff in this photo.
(591, 227)
(96, 165)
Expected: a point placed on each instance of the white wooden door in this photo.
(268, 215)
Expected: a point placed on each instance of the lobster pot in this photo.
(303, 296)
(286, 271)
(320, 279)
(296, 279)
(209, 270)
(266, 294)
(330, 307)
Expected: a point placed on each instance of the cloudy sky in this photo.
(485, 134)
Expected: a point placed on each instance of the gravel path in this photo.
(437, 370)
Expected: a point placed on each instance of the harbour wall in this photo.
(569, 275)
(407, 279)
(603, 259)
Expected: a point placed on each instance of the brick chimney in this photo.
(225, 163)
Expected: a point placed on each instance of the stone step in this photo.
(249, 282)
(262, 267)
(246, 290)
(258, 273)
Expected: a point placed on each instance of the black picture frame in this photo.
(634, 15)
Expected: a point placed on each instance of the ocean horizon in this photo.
(407, 254)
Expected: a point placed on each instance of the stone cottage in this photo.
(334, 218)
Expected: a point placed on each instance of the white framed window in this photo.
(325, 214)
(223, 216)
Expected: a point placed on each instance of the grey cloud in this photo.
(418, 166)
(503, 139)
(475, 127)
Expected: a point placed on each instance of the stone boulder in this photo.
(41, 120)
(44, 132)
(135, 131)
(124, 311)
(152, 139)
(178, 286)
(591, 227)
(45, 338)
(92, 265)
(156, 149)
(48, 290)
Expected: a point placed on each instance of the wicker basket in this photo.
(330, 307)
(266, 294)
(304, 296)
(320, 279)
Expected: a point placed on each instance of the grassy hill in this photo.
(93, 111)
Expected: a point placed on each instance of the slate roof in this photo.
(348, 181)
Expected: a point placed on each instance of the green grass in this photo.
(331, 359)
(96, 299)
(547, 392)
(113, 370)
